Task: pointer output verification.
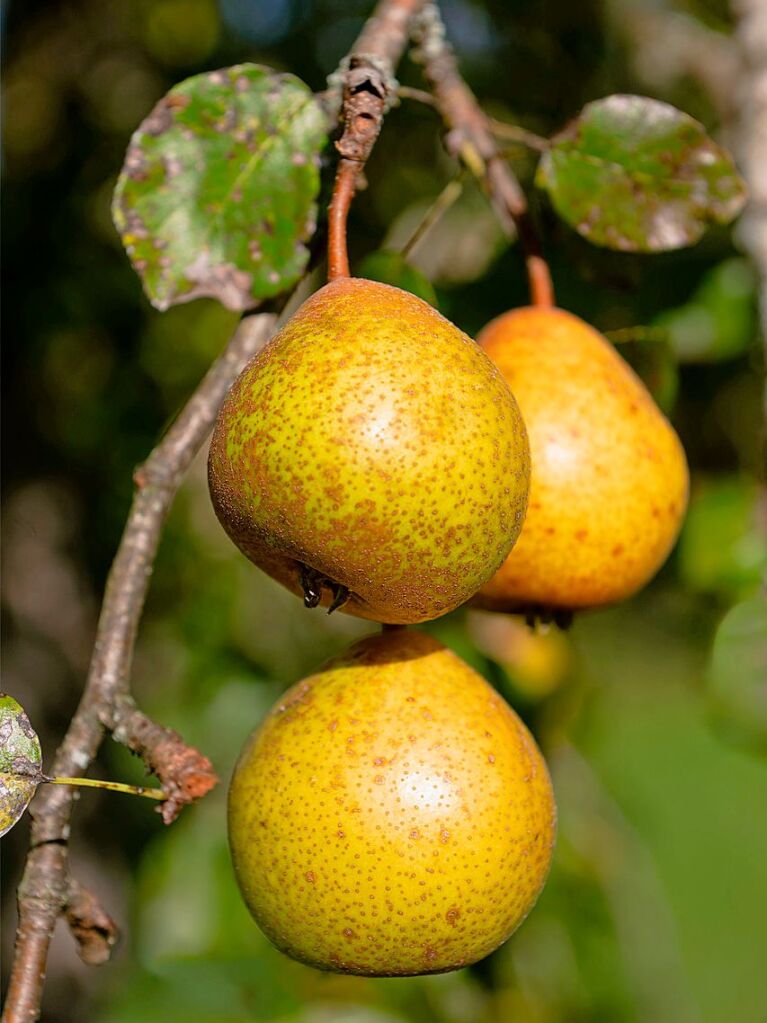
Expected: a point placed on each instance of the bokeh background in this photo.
(656, 909)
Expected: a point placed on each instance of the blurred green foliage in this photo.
(738, 674)
(723, 547)
(718, 320)
(656, 907)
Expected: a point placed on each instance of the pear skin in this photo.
(609, 479)
(392, 815)
(372, 451)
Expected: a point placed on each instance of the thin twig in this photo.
(419, 95)
(471, 140)
(446, 198)
(368, 89)
(184, 775)
(514, 133)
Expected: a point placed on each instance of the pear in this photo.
(392, 815)
(609, 479)
(372, 454)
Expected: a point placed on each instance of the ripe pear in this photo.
(392, 815)
(609, 480)
(372, 453)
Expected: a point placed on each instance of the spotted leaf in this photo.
(217, 195)
(20, 760)
(638, 175)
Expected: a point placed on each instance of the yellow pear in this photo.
(372, 454)
(392, 815)
(609, 479)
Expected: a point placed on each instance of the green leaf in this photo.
(722, 549)
(391, 268)
(217, 192)
(638, 175)
(738, 674)
(720, 320)
(20, 760)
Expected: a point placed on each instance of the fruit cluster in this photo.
(393, 815)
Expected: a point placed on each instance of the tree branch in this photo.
(46, 890)
(470, 139)
(368, 89)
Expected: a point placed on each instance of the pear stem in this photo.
(539, 279)
(112, 786)
(368, 84)
(471, 140)
(338, 212)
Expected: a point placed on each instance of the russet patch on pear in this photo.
(372, 456)
(392, 815)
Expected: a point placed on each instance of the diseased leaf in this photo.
(20, 760)
(217, 192)
(738, 674)
(638, 175)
